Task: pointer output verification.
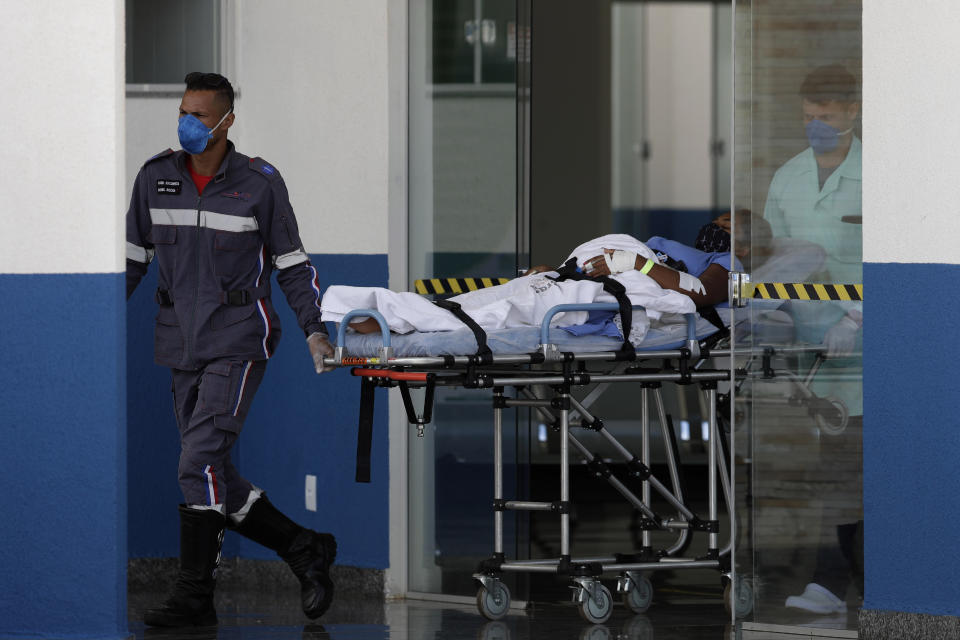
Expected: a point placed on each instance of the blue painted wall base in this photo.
(63, 545)
(299, 424)
(910, 444)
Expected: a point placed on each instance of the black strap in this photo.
(711, 314)
(163, 297)
(483, 351)
(569, 272)
(365, 429)
(427, 416)
(243, 297)
(676, 265)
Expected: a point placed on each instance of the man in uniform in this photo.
(817, 196)
(219, 223)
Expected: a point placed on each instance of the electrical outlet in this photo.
(310, 493)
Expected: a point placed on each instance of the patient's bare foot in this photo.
(368, 325)
(540, 268)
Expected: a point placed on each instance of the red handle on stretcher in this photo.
(389, 373)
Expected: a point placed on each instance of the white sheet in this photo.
(521, 302)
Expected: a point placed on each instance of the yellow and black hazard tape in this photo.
(762, 290)
(806, 291)
(440, 286)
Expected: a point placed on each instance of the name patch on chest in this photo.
(168, 187)
(236, 195)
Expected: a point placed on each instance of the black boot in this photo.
(308, 553)
(191, 603)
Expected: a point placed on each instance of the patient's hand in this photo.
(596, 266)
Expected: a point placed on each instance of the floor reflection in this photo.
(254, 616)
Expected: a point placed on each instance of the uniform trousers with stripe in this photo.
(211, 405)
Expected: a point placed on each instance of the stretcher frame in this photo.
(562, 372)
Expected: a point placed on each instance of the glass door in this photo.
(465, 182)
(797, 413)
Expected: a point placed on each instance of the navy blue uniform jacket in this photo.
(216, 254)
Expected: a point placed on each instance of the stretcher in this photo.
(560, 376)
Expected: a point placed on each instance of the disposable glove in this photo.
(320, 347)
(841, 337)
(690, 283)
(620, 261)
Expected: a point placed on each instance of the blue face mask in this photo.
(823, 138)
(194, 134)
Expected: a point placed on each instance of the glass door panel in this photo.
(798, 411)
(462, 224)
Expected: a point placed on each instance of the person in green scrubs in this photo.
(816, 196)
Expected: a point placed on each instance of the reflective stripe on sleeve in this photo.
(208, 219)
(290, 259)
(139, 254)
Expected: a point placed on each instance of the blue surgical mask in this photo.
(194, 134)
(823, 138)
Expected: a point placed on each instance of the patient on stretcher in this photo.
(708, 260)
(665, 277)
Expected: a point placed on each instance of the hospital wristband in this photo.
(645, 269)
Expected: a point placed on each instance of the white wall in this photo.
(151, 128)
(911, 195)
(62, 133)
(312, 77)
(314, 81)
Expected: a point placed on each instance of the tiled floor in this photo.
(255, 616)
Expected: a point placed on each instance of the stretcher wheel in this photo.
(741, 602)
(637, 628)
(494, 630)
(639, 596)
(596, 632)
(835, 424)
(493, 603)
(596, 610)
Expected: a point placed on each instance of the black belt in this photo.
(235, 298)
(163, 297)
(243, 297)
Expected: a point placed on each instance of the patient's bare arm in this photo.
(714, 279)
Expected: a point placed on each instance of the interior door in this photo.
(570, 147)
(466, 131)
